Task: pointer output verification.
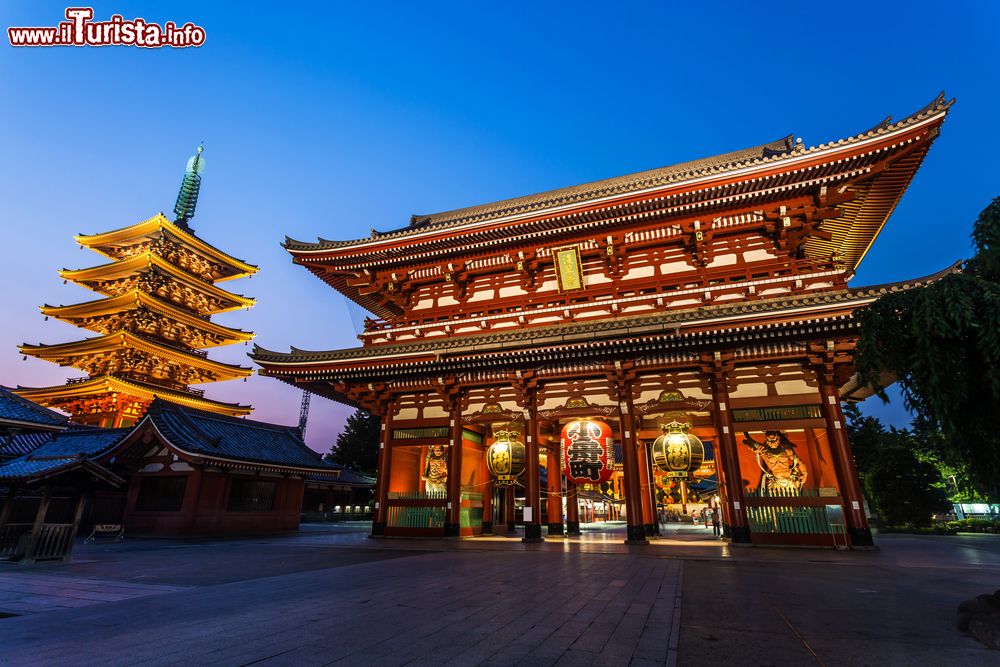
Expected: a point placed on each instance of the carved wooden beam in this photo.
(449, 389)
(620, 376)
(457, 273)
(525, 385)
(527, 264)
(612, 254)
(833, 360)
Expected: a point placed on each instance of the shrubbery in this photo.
(918, 530)
(975, 525)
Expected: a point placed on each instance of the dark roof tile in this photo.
(218, 436)
(24, 443)
(15, 408)
(63, 449)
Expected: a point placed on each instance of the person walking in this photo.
(716, 523)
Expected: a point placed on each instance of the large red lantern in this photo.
(586, 449)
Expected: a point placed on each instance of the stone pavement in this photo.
(428, 608)
(27, 592)
(331, 596)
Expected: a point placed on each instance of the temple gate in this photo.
(711, 296)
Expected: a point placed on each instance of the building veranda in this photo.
(708, 298)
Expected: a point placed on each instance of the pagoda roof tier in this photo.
(875, 166)
(113, 280)
(117, 243)
(106, 316)
(94, 354)
(103, 385)
(680, 331)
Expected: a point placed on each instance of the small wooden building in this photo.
(196, 472)
(48, 491)
(179, 471)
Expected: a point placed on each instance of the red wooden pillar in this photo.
(646, 491)
(635, 530)
(554, 469)
(734, 518)
(488, 509)
(453, 514)
(648, 463)
(384, 470)
(736, 528)
(843, 458)
(532, 498)
(572, 510)
(725, 507)
(198, 475)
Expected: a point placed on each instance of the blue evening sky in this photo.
(328, 119)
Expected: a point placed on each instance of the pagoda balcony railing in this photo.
(173, 346)
(200, 393)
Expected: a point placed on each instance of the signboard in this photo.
(834, 515)
(569, 268)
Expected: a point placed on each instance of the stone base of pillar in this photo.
(452, 529)
(649, 529)
(487, 527)
(739, 534)
(636, 535)
(511, 527)
(861, 538)
(532, 532)
(727, 532)
(556, 529)
(573, 528)
(378, 529)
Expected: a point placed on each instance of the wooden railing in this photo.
(419, 495)
(10, 539)
(337, 516)
(795, 520)
(415, 517)
(53, 541)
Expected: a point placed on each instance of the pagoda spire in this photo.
(187, 198)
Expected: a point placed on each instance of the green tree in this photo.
(942, 344)
(901, 484)
(956, 481)
(906, 490)
(357, 444)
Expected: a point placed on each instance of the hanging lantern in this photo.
(505, 458)
(586, 445)
(677, 453)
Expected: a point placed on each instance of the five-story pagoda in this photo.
(159, 294)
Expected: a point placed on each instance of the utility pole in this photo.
(304, 413)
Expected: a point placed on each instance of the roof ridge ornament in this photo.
(187, 198)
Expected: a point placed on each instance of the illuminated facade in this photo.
(712, 295)
(158, 293)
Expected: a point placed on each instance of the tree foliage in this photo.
(942, 343)
(357, 444)
(900, 480)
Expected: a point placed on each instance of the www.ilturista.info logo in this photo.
(81, 30)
